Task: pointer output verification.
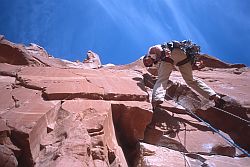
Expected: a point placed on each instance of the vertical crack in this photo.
(16, 101)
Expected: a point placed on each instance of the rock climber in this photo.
(168, 56)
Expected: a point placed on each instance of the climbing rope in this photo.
(215, 130)
(222, 111)
(185, 134)
(242, 119)
(186, 161)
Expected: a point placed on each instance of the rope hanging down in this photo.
(185, 160)
(215, 130)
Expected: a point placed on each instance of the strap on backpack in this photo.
(186, 60)
(188, 51)
(163, 55)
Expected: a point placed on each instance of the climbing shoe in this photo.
(219, 102)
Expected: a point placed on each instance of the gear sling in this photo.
(190, 49)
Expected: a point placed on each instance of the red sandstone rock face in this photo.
(60, 113)
(210, 61)
(35, 94)
(35, 55)
(32, 55)
(93, 60)
(13, 54)
(37, 50)
(153, 156)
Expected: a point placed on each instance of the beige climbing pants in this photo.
(165, 70)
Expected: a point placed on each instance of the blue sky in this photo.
(121, 31)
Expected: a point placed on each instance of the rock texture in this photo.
(59, 113)
(93, 60)
(210, 61)
(36, 56)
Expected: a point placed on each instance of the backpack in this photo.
(191, 50)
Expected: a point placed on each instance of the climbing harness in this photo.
(188, 47)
